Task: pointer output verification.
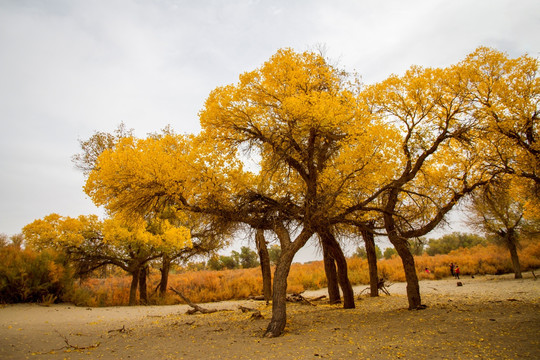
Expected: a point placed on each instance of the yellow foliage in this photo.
(61, 233)
(58, 232)
(139, 232)
(145, 175)
(307, 122)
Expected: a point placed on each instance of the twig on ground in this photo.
(75, 347)
(121, 330)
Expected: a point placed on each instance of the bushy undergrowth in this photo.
(26, 276)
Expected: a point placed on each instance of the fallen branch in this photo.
(194, 306)
(256, 313)
(381, 286)
(297, 297)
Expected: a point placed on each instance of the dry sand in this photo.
(489, 317)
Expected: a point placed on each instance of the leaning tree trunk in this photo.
(413, 288)
(343, 278)
(371, 253)
(143, 292)
(400, 244)
(511, 244)
(265, 264)
(165, 269)
(279, 296)
(342, 271)
(331, 275)
(134, 285)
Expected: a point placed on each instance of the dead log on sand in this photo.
(194, 306)
(297, 297)
(256, 313)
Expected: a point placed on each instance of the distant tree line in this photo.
(245, 259)
(432, 246)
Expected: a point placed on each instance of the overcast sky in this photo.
(69, 68)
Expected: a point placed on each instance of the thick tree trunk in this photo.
(369, 240)
(134, 286)
(279, 307)
(413, 288)
(165, 269)
(511, 243)
(264, 258)
(143, 292)
(342, 271)
(331, 275)
(279, 296)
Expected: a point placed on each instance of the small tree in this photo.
(416, 246)
(230, 262)
(453, 241)
(274, 252)
(90, 243)
(248, 258)
(389, 252)
(360, 252)
(497, 212)
(214, 263)
(3, 240)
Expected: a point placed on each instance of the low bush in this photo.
(27, 276)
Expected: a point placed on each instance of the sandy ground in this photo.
(489, 317)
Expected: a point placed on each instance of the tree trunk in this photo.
(279, 296)
(511, 243)
(343, 277)
(265, 264)
(369, 240)
(165, 269)
(133, 288)
(143, 293)
(279, 309)
(400, 244)
(413, 288)
(342, 271)
(331, 275)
